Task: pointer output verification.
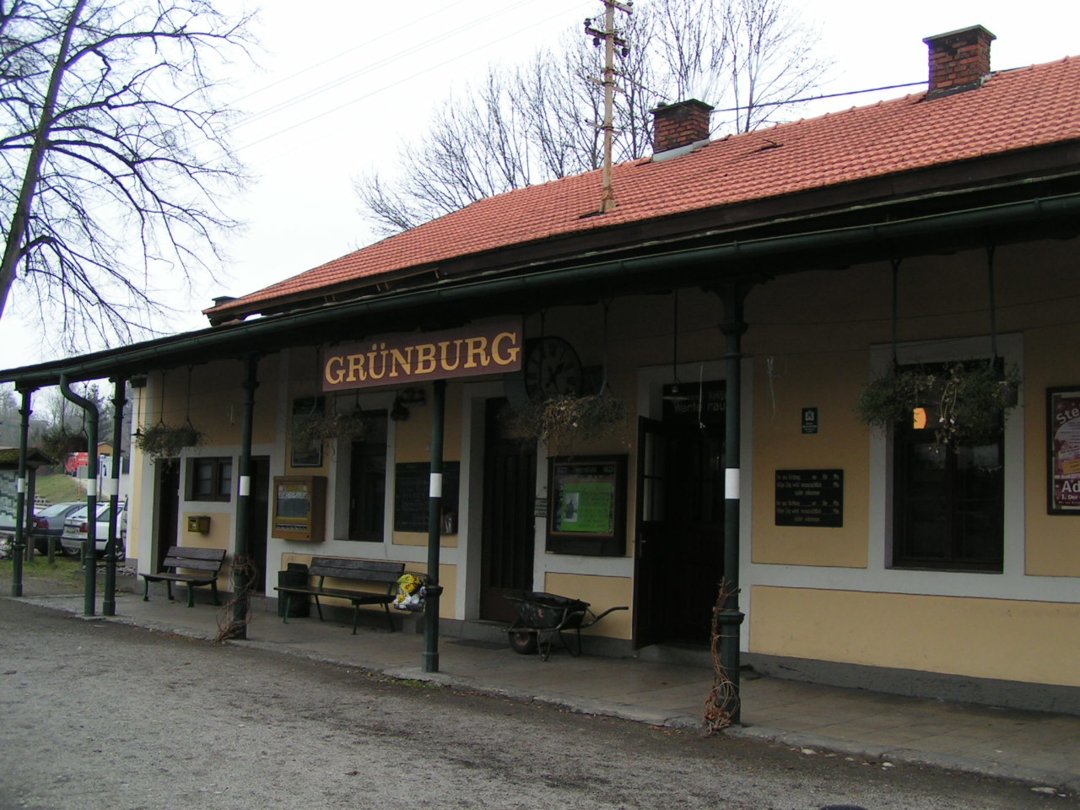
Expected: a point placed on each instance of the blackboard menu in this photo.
(809, 497)
(412, 493)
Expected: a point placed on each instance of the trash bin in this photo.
(299, 606)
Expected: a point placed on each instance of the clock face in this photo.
(552, 368)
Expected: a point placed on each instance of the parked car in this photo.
(49, 522)
(76, 527)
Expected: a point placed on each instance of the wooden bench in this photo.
(372, 572)
(192, 566)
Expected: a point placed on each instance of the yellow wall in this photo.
(983, 638)
(601, 593)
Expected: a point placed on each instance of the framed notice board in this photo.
(810, 498)
(587, 509)
(412, 493)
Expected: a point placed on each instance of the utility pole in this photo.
(610, 38)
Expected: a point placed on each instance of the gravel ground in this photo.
(97, 714)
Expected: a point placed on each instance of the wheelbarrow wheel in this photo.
(522, 642)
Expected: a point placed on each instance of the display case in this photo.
(299, 507)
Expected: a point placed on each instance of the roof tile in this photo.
(1034, 106)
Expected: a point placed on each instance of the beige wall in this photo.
(984, 638)
(601, 593)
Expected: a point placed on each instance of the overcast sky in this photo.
(340, 85)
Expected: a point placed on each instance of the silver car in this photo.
(76, 526)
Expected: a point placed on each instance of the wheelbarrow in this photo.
(544, 617)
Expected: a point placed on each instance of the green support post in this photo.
(730, 617)
(108, 602)
(243, 504)
(433, 590)
(90, 579)
(20, 500)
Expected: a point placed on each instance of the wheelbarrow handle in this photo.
(598, 616)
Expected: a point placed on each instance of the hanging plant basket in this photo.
(57, 443)
(561, 419)
(162, 441)
(316, 426)
(965, 403)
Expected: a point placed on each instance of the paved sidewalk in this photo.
(1042, 749)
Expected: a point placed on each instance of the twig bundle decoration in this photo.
(722, 702)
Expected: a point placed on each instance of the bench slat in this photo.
(381, 572)
(191, 565)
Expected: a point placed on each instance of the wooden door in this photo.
(167, 509)
(507, 545)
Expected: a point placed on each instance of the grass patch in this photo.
(58, 488)
(63, 571)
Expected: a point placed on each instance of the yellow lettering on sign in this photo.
(444, 359)
(425, 358)
(476, 352)
(401, 363)
(512, 352)
(356, 368)
(335, 371)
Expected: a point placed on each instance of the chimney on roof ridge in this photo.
(680, 124)
(959, 60)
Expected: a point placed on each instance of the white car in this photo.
(76, 526)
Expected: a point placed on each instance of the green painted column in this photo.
(89, 562)
(108, 603)
(730, 617)
(433, 588)
(20, 500)
(242, 545)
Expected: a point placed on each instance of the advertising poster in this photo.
(1063, 424)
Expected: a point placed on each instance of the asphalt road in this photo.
(96, 714)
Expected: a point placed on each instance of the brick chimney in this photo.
(680, 124)
(959, 60)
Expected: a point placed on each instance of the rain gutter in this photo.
(244, 336)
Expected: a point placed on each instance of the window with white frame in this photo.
(948, 500)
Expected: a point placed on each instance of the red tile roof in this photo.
(1013, 110)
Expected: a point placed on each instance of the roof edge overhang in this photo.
(1025, 167)
(708, 266)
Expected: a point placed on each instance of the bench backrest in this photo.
(196, 559)
(359, 570)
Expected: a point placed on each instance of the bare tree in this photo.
(771, 61)
(114, 154)
(540, 121)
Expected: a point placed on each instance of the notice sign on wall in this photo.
(810, 498)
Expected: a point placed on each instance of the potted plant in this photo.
(560, 419)
(315, 426)
(963, 402)
(163, 441)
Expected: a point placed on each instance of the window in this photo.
(210, 479)
(948, 502)
(367, 482)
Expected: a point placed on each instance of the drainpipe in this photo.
(89, 548)
(241, 569)
(20, 499)
(108, 604)
(433, 590)
(730, 617)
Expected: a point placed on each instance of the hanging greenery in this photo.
(561, 419)
(316, 426)
(965, 403)
(162, 441)
(57, 443)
